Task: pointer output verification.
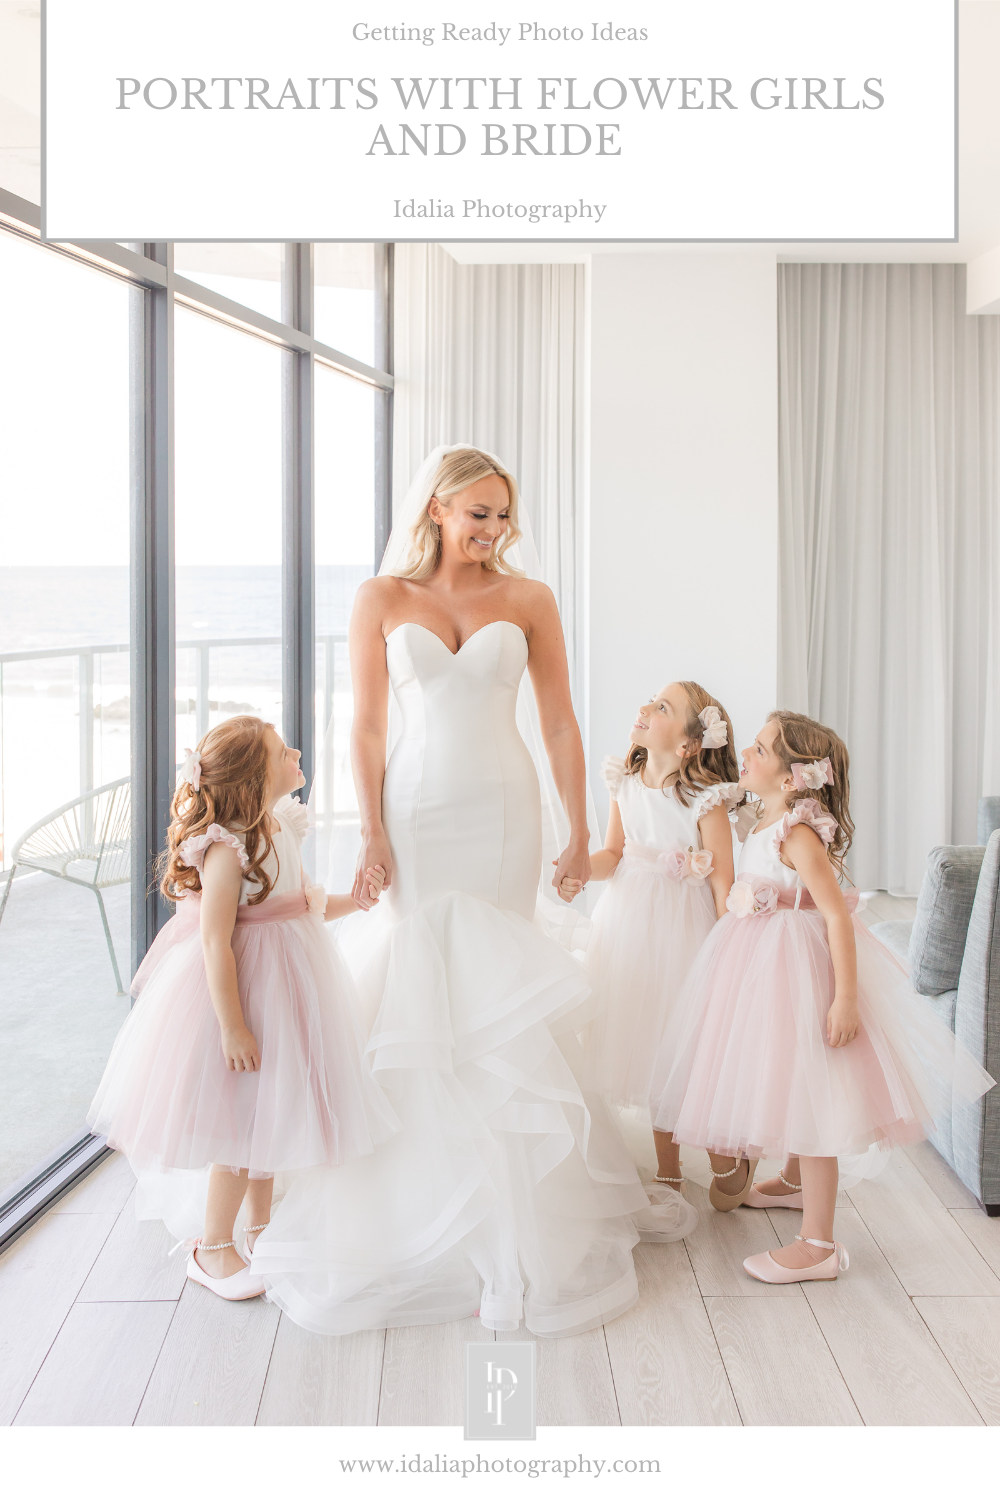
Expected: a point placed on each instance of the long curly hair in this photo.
(800, 739)
(233, 791)
(456, 472)
(706, 767)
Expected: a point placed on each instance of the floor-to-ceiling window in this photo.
(195, 483)
(64, 691)
(352, 298)
(345, 554)
(227, 525)
(247, 273)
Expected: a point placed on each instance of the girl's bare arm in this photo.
(345, 906)
(717, 838)
(805, 851)
(220, 887)
(605, 862)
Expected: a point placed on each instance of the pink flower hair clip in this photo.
(190, 771)
(715, 730)
(810, 777)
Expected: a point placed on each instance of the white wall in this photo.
(683, 537)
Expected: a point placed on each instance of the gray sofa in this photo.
(951, 951)
(988, 819)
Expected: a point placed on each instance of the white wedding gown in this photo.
(507, 1192)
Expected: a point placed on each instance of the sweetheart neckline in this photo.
(427, 631)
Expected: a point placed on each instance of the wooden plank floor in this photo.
(99, 1327)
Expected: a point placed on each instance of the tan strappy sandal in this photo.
(724, 1202)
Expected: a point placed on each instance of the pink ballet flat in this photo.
(766, 1268)
(239, 1287)
(756, 1199)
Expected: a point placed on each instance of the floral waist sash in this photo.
(756, 896)
(691, 865)
(275, 909)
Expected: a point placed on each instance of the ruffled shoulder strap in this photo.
(192, 851)
(724, 794)
(613, 771)
(743, 820)
(291, 814)
(808, 811)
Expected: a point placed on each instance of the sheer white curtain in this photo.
(889, 572)
(494, 355)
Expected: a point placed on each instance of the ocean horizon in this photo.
(48, 608)
(65, 609)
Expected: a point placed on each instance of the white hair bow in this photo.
(190, 771)
(715, 729)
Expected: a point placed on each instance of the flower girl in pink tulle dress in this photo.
(242, 1057)
(668, 861)
(797, 1036)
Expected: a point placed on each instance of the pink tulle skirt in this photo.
(647, 930)
(745, 1066)
(167, 1099)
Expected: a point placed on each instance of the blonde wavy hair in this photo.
(233, 791)
(456, 472)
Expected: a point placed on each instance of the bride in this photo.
(508, 1192)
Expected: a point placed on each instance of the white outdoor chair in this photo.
(94, 829)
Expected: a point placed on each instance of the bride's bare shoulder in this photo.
(534, 598)
(375, 599)
(379, 590)
(382, 586)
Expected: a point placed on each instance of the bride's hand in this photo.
(374, 851)
(572, 866)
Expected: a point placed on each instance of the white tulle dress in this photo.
(167, 1099)
(509, 1191)
(649, 923)
(745, 1066)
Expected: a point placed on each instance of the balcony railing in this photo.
(85, 656)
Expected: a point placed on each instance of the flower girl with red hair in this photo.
(668, 861)
(242, 1057)
(797, 1036)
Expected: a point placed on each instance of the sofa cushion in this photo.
(944, 1006)
(937, 942)
(976, 1127)
(987, 819)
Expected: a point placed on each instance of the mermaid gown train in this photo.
(508, 1191)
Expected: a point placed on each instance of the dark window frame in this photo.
(149, 269)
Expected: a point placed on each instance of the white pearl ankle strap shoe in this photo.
(239, 1287)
